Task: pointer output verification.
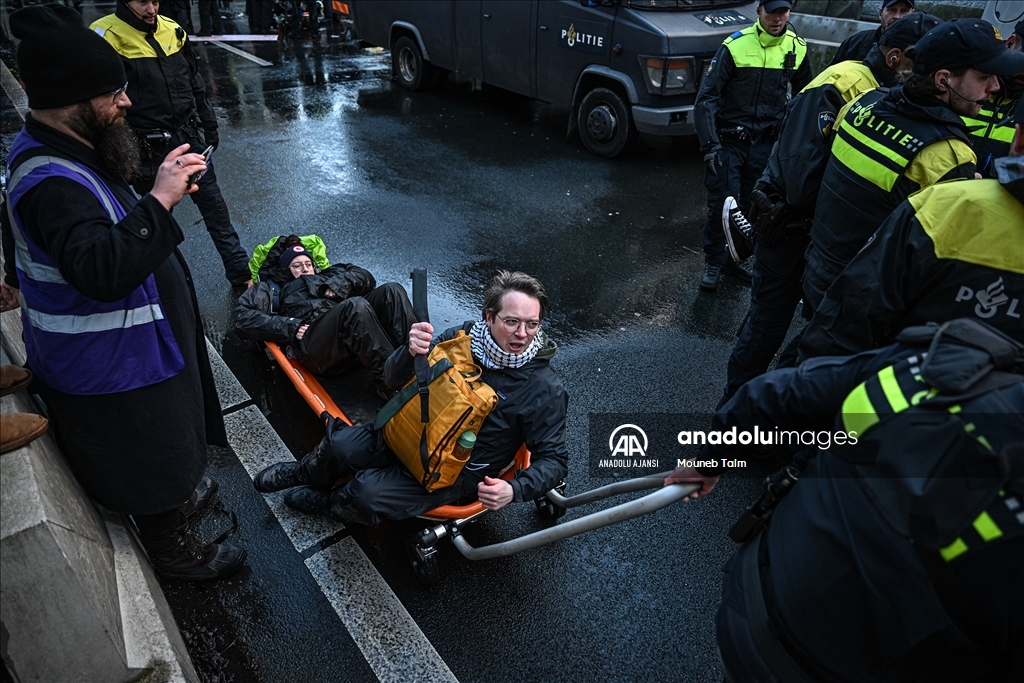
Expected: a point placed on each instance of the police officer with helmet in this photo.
(737, 113)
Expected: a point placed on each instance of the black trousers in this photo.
(774, 294)
(743, 161)
(209, 18)
(381, 487)
(210, 202)
(368, 328)
(741, 661)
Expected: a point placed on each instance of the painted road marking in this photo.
(241, 53)
(246, 38)
(14, 91)
(386, 634)
(383, 630)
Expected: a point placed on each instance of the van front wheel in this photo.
(408, 66)
(605, 125)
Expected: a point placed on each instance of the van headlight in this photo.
(669, 75)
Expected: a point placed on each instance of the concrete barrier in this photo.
(78, 598)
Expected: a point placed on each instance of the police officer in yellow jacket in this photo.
(737, 113)
(787, 192)
(991, 129)
(170, 108)
(951, 250)
(891, 144)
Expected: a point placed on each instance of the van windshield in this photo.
(681, 4)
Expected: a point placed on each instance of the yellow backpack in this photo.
(458, 402)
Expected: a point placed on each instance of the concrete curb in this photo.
(78, 598)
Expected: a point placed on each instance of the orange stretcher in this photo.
(320, 401)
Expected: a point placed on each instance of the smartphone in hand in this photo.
(194, 178)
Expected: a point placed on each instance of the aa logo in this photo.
(628, 441)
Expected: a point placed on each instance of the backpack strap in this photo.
(392, 407)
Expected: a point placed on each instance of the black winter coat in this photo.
(301, 301)
(141, 451)
(532, 406)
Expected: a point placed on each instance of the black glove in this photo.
(713, 160)
(212, 138)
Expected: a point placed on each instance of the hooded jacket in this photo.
(532, 408)
(264, 314)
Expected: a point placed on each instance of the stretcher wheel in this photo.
(547, 509)
(424, 564)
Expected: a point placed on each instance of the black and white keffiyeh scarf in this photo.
(487, 352)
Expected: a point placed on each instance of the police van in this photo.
(619, 66)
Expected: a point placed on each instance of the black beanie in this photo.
(292, 253)
(60, 61)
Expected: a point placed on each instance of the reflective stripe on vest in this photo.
(770, 51)
(991, 122)
(899, 387)
(891, 391)
(76, 344)
(871, 146)
(1005, 516)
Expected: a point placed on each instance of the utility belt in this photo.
(742, 133)
(775, 220)
(157, 142)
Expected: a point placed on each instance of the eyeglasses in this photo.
(120, 91)
(512, 324)
(301, 266)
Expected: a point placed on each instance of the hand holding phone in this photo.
(194, 178)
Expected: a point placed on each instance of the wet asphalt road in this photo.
(466, 182)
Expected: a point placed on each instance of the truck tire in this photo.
(408, 66)
(605, 124)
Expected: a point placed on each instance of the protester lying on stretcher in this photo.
(323, 315)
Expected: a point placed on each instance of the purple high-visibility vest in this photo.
(76, 344)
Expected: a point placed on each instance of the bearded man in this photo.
(111, 322)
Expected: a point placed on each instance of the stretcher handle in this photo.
(619, 513)
(638, 484)
(419, 307)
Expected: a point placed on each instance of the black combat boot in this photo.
(180, 556)
(280, 476)
(201, 497)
